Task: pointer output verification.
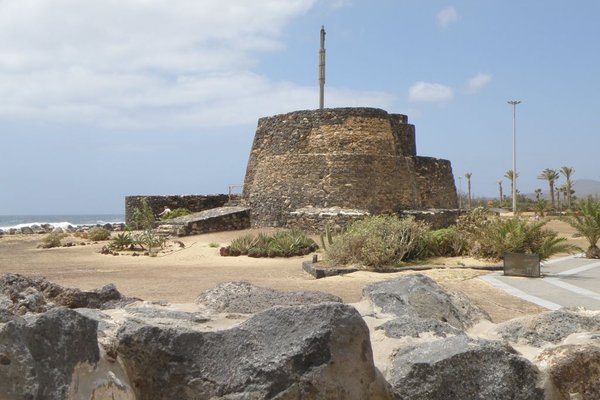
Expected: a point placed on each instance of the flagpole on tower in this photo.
(322, 70)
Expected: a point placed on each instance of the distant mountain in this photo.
(582, 187)
(586, 187)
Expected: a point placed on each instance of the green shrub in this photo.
(290, 243)
(242, 244)
(470, 227)
(447, 242)
(142, 217)
(587, 223)
(97, 234)
(149, 240)
(380, 241)
(280, 244)
(515, 235)
(53, 239)
(214, 244)
(178, 212)
(122, 241)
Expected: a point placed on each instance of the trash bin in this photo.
(520, 264)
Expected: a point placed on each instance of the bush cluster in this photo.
(146, 240)
(587, 223)
(489, 236)
(446, 242)
(387, 241)
(53, 239)
(380, 241)
(98, 234)
(281, 244)
(142, 217)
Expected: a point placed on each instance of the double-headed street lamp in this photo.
(514, 167)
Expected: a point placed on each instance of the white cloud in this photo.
(158, 63)
(447, 16)
(430, 92)
(477, 82)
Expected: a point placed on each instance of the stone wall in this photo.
(219, 219)
(438, 219)
(351, 158)
(194, 203)
(316, 220)
(435, 183)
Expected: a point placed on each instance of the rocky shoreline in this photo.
(407, 339)
(40, 229)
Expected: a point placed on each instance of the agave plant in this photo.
(587, 223)
(122, 241)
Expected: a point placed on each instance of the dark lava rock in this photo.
(303, 352)
(549, 327)
(37, 295)
(245, 298)
(38, 354)
(458, 368)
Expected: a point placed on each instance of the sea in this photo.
(20, 221)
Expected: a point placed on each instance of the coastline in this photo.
(46, 223)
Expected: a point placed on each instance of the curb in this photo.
(323, 272)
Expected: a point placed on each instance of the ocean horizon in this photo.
(58, 220)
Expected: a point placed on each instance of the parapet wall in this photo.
(352, 158)
(194, 203)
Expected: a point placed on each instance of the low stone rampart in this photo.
(436, 218)
(194, 203)
(314, 220)
(219, 219)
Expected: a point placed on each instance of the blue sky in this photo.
(103, 99)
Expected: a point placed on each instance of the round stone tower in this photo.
(352, 158)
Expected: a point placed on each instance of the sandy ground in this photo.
(180, 274)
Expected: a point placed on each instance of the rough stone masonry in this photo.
(352, 158)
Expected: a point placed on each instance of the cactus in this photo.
(327, 235)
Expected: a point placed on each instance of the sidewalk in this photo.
(567, 282)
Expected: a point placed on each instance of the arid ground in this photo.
(180, 274)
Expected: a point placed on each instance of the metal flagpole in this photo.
(322, 70)
(514, 186)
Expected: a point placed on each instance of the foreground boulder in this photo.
(458, 368)
(240, 341)
(421, 305)
(246, 298)
(22, 294)
(39, 354)
(302, 352)
(550, 327)
(573, 371)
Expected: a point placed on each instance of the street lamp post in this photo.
(514, 166)
(460, 192)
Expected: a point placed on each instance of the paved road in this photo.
(567, 282)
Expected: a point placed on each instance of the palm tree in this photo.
(500, 187)
(540, 207)
(551, 176)
(468, 176)
(538, 193)
(520, 236)
(567, 173)
(588, 225)
(511, 176)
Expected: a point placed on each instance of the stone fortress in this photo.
(328, 166)
(351, 161)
